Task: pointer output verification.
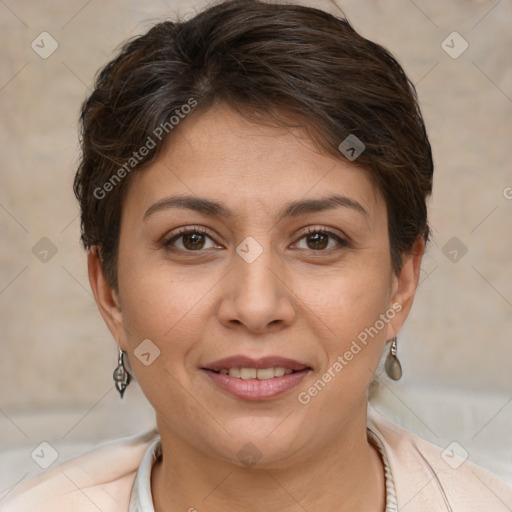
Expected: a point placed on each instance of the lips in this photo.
(247, 362)
(251, 379)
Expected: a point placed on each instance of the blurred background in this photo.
(57, 355)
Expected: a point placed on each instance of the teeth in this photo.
(234, 372)
(253, 373)
(279, 371)
(265, 373)
(247, 373)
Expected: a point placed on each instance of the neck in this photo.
(346, 475)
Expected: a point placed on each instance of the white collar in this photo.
(141, 499)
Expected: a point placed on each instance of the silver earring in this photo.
(393, 366)
(121, 376)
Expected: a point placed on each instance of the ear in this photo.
(404, 287)
(106, 297)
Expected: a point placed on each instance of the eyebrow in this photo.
(212, 208)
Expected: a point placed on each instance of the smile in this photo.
(248, 378)
(255, 388)
(254, 373)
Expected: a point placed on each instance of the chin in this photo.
(259, 443)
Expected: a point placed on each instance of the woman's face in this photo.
(253, 283)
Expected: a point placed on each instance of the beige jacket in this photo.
(425, 480)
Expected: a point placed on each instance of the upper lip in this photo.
(240, 361)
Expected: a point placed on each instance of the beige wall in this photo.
(56, 352)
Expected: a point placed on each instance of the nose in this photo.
(257, 296)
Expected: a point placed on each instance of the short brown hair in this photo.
(271, 62)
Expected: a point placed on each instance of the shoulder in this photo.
(429, 478)
(100, 479)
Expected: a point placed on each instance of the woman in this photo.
(253, 188)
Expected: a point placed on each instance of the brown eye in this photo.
(320, 240)
(193, 241)
(189, 240)
(317, 241)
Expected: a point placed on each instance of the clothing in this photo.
(423, 481)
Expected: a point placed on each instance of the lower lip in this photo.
(255, 389)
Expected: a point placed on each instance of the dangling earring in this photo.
(121, 376)
(393, 366)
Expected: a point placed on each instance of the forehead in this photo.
(219, 153)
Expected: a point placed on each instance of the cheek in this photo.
(351, 335)
(159, 307)
(170, 314)
(346, 310)
(347, 302)
(162, 305)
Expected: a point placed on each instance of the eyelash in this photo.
(199, 230)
